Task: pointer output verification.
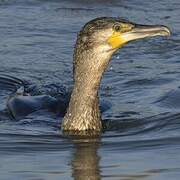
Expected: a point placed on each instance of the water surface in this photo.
(142, 139)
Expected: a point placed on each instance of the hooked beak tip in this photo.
(165, 31)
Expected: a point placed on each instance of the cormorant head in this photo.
(109, 34)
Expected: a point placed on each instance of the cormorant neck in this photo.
(83, 112)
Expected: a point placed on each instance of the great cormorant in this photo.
(98, 40)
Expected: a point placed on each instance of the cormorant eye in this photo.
(117, 27)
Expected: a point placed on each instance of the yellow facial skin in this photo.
(116, 40)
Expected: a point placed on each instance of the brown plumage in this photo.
(96, 43)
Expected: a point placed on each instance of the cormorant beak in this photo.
(143, 31)
(135, 31)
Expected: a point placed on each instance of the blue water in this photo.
(142, 139)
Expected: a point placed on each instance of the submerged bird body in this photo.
(27, 98)
(98, 40)
(21, 106)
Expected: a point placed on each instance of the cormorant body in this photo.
(98, 40)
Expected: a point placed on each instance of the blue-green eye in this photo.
(117, 27)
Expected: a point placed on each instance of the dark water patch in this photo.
(147, 82)
(83, 12)
(170, 100)
(21, 3)
(143, 145)
(155, 124)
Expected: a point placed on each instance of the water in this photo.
(142, 140)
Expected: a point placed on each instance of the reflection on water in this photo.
(85, 161)
(141, 87)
